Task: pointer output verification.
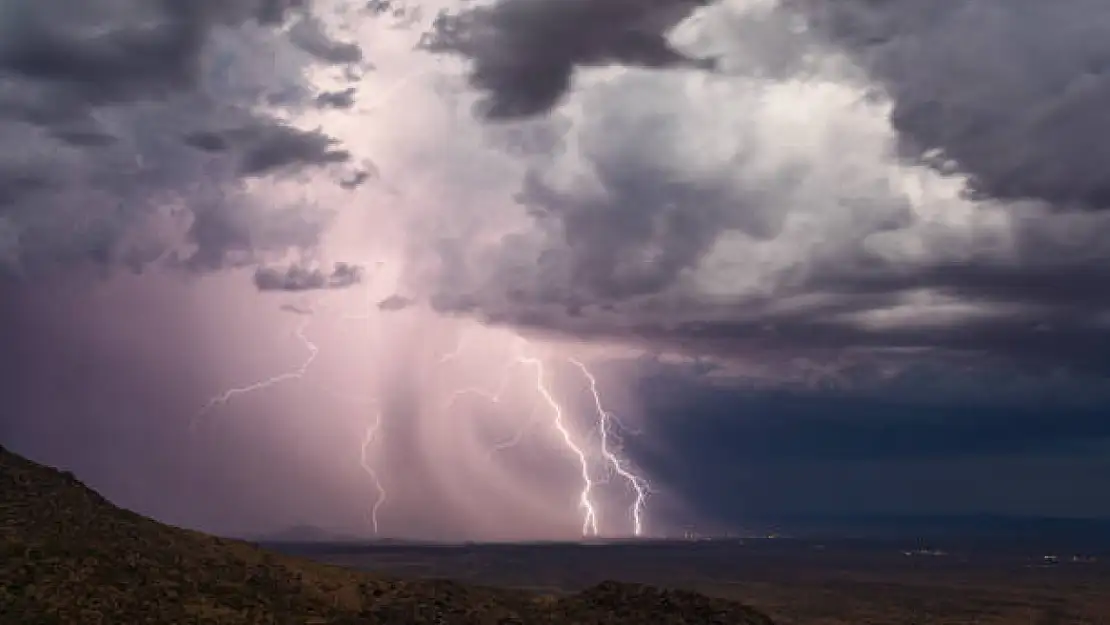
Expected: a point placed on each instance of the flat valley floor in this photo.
(793, 581)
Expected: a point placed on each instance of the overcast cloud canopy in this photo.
(946, 195)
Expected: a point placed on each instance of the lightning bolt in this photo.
(372, 435)
(606, 420)
(298, 374)
(585, 498)
(364, 460)
(638, 484)
(295, 374)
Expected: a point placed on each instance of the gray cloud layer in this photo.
(1013, 93)
(299, 277)
(659, 214)
(108, 102)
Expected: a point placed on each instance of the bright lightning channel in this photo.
(585, 500)
(299, 374)
(364, 459)
(586, 503)
(606, 419)
(638, 484)
(295, 374)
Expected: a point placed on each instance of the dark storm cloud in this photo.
(263, 149)
(1035, 316)
(1042, 308)
(1012, 92)
(525, 52)
(343, 99)
(356, 178)
(647, 228)
(394, 303)
(298, 277)
(99, 97)
(15, 185)
(309, 35)
(99, 52)
(83, 137)
(275, 11)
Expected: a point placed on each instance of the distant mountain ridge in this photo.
(306, 534)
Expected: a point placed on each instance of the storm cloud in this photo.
(108, 102)
(299, 277)
(525, 52)
(395, 303)
(263, 149)
(939, 198)
(1010, 93)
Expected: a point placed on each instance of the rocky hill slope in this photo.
(68, 556)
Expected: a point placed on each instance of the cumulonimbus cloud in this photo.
(856, 175)
(853, 175)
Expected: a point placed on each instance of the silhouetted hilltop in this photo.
(68, 556)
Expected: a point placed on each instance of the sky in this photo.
(519, 269)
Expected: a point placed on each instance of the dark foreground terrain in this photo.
(834, 582)
(67, 556)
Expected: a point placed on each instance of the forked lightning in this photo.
(558, 419)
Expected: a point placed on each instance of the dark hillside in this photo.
(68, 556)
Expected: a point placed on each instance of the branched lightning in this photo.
(295, 374)
(371, 435)
(585, 498)
(609, 451)
(577, 446)
(638, 484)
(606, 419)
